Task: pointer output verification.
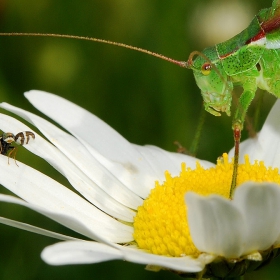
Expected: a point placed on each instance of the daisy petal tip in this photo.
(29, 92)
(32, 91)
(3, 104)
(79, 252)
(35, 94)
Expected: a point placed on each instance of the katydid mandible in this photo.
(250, 59)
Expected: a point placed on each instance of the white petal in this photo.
(248, 146)
(260, 207)
(186, 264)
(33, 229)
(174, 159)
(161, 161)
(95, 186)
(82, 123)
(266, 145)
(133, 168)
(83, 252)
(72, 252)
(60, 204)
(130, 167)
(216, 226)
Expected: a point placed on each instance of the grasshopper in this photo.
(249, 59)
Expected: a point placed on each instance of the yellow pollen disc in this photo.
(161, 225)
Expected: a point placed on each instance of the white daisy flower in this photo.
(121, 210)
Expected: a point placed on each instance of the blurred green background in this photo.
(147, 100)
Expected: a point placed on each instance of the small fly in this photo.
(8, 138)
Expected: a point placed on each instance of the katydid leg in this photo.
(243, 105)
(237, 136)
(244, 102)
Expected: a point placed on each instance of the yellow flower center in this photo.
(161, 225)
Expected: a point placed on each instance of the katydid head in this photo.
(212, 80)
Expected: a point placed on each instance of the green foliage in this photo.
(147, 100)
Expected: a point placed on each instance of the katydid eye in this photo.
(206, 69)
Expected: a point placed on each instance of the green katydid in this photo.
(248, 59)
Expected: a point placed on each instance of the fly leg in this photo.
(12, 153)
(243, 104)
